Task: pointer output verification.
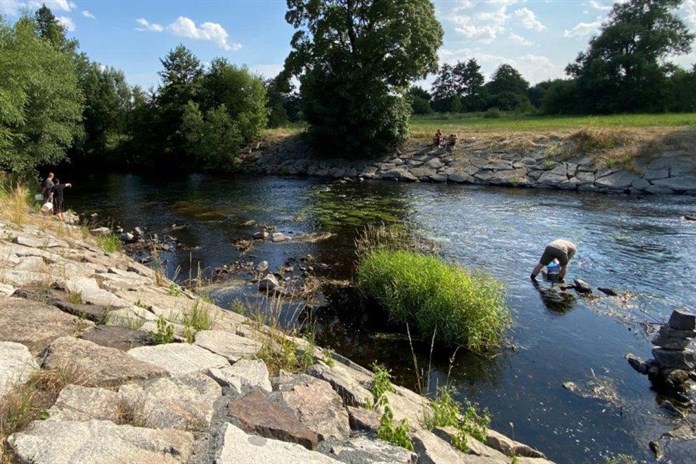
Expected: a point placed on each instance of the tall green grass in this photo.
(464, 308)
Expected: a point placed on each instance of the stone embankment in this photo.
(95, 318)
(564, 162)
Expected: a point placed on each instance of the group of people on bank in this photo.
(52, 192)
(439, 139)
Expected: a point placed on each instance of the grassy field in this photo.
(423, 127)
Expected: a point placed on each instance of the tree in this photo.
(508, 89)
(420, 100)
(536, 93)
(212, 139)
(355, 60)
(468, 82)
(107, 103)
(242, 94)
(181, 83)
(40, 98)
(49, 29)
(624, 68)
(561, 97)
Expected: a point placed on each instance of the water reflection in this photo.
(554, 299)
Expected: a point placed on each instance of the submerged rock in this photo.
(607, 291)
(582, 286)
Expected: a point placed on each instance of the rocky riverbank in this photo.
(582, 161)
(146, 372)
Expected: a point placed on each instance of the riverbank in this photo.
(635, 161)
(102, 357)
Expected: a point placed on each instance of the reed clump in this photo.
(464, 308)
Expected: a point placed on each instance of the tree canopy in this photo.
(355, 60)
(625, 68)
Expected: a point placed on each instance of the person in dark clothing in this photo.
(58, 205)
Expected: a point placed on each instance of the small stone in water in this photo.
(607, 291)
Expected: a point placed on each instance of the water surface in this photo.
(636, 245)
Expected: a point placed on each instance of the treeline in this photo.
(56, 103)
(623, 70)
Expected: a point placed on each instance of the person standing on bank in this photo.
(47, 187)
(58, 206)
(559, 249)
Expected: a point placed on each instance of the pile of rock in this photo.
(673, 368)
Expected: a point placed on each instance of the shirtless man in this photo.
(559, 249)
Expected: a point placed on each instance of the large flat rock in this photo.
(98, 365)
(229, 345)
(99, 442)
(361, 449)
(184, 403)
(510, 447)
(179, 358)
(33, 324)
(91, 293)
(345, 384)
(16, 366)
(240, 448)
(256, 413)
(316, 404)
(121, 338)
(244, 375)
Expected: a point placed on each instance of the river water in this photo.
(637, 246)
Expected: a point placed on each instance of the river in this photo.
(636, 245)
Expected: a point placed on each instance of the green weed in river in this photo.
(465, 308)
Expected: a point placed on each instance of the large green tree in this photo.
(508, 89)
(355, 60)
(625, 67)
(242, 93)
(40, 99)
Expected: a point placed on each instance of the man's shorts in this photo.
(551, 253)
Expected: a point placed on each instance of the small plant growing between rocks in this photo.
(621, 459)
(174, 290)
(198, 318)
(164, 333)
(75, 298)
(447, 412)
(140, 304)
(109, 243)
(327, 357)
(279, 353)
(388, 431)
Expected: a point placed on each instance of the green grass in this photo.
(448, 412)
(463, 308)
(109, 243)
(425, 126)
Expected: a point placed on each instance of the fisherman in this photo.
(560, 250)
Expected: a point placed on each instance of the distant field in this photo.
(425, 126)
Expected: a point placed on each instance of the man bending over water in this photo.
(560, 249)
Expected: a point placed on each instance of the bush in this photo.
(463, 308)
(492, 113)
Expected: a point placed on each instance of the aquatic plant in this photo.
(465, 308)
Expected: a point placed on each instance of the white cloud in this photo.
(583, 29)
(87, 14)
(214, 32)
(529, 20)
(268, 71)
(54, 5)
(519, 40)
(13, 7)
(689, 9)
(146, 25)
(66, 22)
(482, 21)
(186, 27)
(599, 6)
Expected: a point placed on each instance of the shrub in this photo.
(463, 308)
(164, 333)
(109, 243)
(492, 113)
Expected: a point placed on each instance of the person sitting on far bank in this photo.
(452, 140)
(58, 206)
(561, 250)
(437, 139)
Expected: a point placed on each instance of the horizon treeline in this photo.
(355, 94)
(624, 70)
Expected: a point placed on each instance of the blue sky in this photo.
(538, 37)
